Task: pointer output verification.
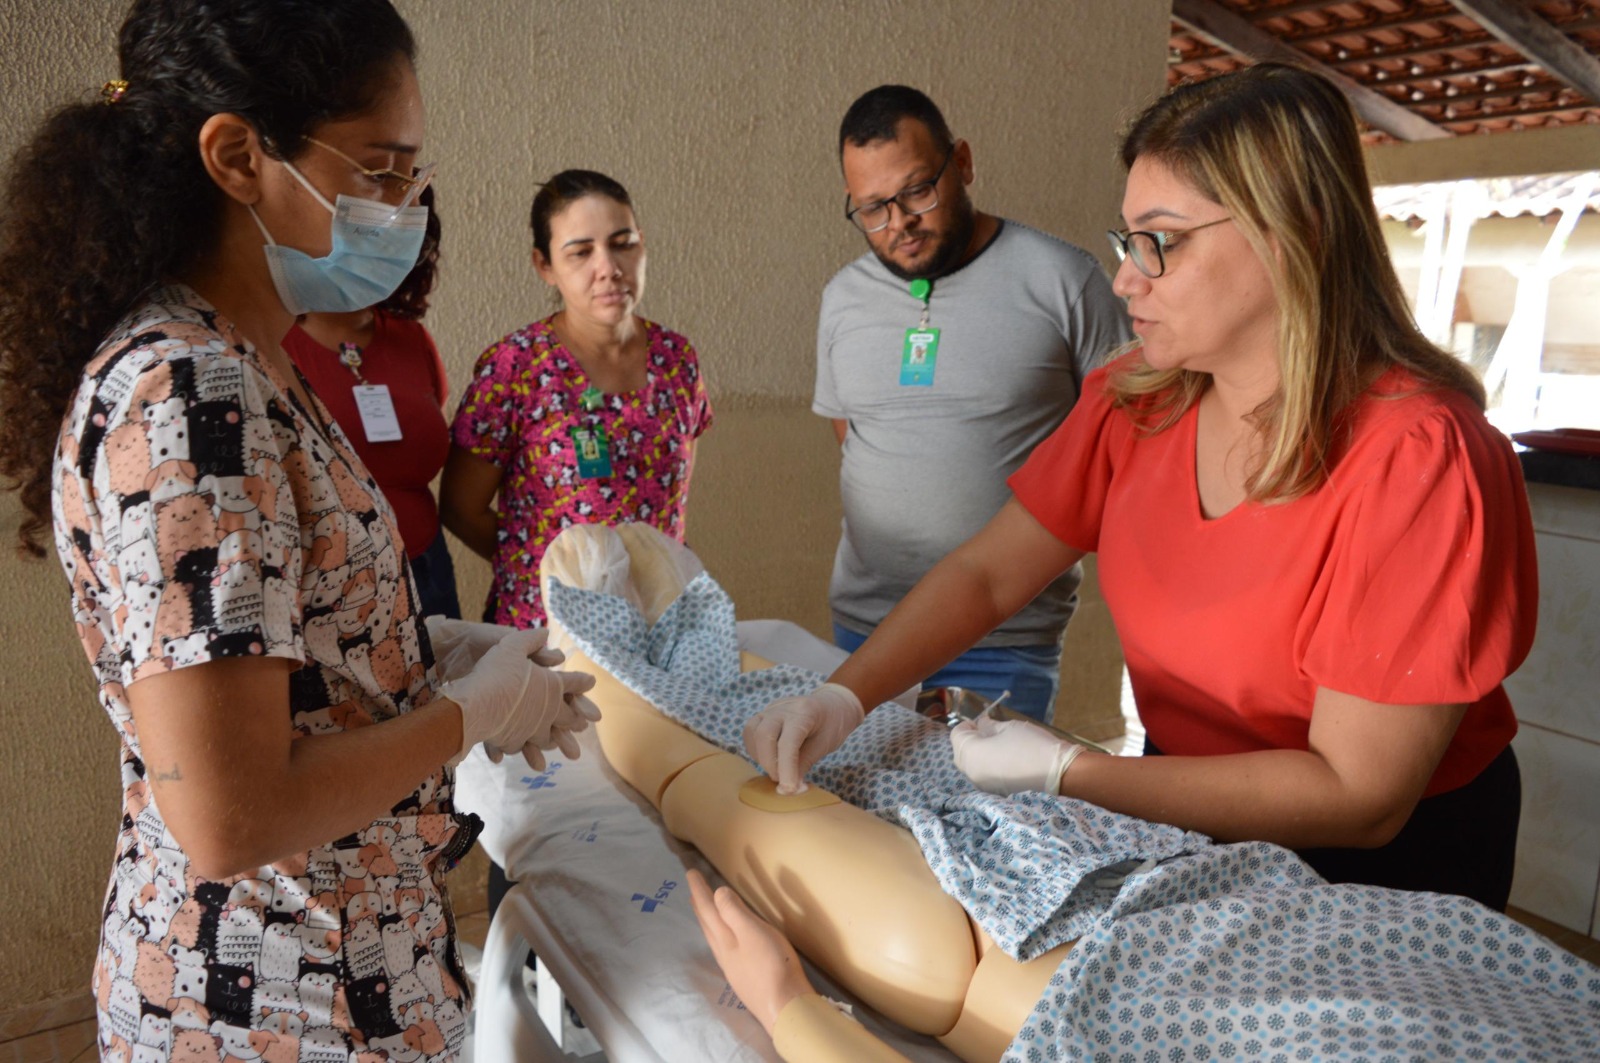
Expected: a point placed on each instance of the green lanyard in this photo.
(919, 355)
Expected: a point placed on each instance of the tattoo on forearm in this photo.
(169, 776)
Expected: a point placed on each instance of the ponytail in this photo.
(111, 198)
(96, 210)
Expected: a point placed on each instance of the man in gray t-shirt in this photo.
(944, 355)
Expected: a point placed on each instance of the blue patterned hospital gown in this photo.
(1186, 950)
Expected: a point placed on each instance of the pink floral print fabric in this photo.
(201, 512)
(519, 412)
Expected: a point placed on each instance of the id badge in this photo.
(593, 448)
(918, 357)
(378, 418)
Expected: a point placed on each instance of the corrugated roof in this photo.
(1508, 197)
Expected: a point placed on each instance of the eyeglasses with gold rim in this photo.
(409, 187)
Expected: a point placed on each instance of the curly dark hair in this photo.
(108, 199)
(410, 300)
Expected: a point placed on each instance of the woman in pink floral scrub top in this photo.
(586, 417)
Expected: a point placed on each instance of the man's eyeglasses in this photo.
(913, 199)
(1148, 249)
(406, 186)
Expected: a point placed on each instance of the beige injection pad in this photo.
(762, 793)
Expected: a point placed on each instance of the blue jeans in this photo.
(435, 574)
(1031, 673)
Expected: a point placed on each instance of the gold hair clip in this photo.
(114, 91)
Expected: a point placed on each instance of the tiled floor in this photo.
(473, 929)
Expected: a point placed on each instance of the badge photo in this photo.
(593, 449)
(919, 357)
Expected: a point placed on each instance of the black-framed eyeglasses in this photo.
(913, 199)
(1149, 249)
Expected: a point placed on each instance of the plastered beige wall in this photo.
(721, 116)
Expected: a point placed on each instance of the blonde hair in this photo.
(1278, 147)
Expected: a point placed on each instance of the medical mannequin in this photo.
(852, 890)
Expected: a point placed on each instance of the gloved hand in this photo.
(574, 716)
(1010, 756)
(789, 736)
(460, 644)
(509, 702)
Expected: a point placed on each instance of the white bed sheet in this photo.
(605, 906)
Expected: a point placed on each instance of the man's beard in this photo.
(949, 251)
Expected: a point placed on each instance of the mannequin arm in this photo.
(764, 970)
(811, 1030)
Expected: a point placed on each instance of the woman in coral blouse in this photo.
(1317, 552)
(588, 416)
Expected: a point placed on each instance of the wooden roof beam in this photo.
(1216, 24)
(1528, 32)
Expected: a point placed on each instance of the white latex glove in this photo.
(1010, 756)
(460, 644)
(576, 713)
(508, 702)
(789, 736)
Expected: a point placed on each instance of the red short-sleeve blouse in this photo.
(1408, 577)
(402, 356)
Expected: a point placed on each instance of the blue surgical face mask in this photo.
(374, 247)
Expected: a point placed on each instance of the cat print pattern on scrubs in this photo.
(202, 512)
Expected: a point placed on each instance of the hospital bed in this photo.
(601, 900)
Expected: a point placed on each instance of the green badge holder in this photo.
(593, 448)
(919, 355)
